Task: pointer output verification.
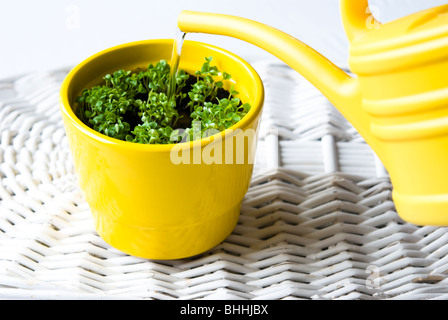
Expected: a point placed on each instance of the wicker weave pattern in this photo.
(317, 223)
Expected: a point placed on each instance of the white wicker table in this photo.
(317, 223)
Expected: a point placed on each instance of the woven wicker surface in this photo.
(318, 221)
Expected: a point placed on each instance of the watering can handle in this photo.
(356, 17)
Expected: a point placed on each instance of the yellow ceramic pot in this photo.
(163, 201)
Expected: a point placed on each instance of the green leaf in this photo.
(226, 76)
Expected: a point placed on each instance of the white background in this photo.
(49, 34)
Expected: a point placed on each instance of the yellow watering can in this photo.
(398, 100)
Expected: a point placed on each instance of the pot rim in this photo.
(252, 115)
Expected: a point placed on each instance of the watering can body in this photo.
(397, 98)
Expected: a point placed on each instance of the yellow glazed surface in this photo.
(144, 203)
(397, 100)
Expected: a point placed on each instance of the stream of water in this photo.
(175, 57)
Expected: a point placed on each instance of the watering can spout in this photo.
(341, 89)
